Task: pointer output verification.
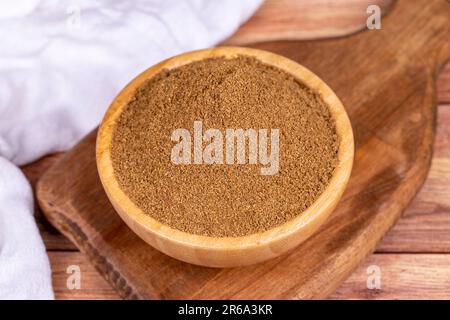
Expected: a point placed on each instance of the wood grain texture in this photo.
(92, 285)
(402, 276)
(444, 85)
(390, 98)
(304, 19)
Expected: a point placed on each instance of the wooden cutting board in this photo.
(386, 80)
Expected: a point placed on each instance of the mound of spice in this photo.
(224, 196)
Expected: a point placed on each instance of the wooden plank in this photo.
(304, 19)
(92, 285)
(403, 276)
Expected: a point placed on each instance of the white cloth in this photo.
(61, 64)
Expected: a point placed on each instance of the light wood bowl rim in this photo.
(300, 223)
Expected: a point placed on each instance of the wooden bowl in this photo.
(227, 251)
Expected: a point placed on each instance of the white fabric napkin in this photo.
(61, 64)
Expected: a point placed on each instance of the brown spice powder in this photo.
(224, 200)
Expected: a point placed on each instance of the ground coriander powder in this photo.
(224, 200)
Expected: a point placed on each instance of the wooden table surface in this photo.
(413, 258)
